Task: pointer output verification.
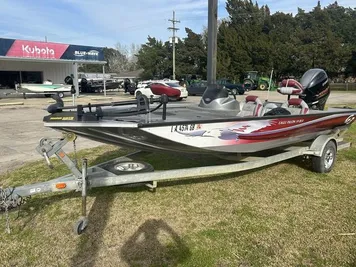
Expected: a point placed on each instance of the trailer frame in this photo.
(126, 171)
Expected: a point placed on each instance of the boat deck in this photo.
(174, 113)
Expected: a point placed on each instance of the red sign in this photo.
(32, 49)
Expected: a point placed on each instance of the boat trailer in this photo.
(125, 171)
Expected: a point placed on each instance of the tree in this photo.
(318, 45)
(115, 62)
(130, 53)
(253, 39)
(152, 57)
(193, 54)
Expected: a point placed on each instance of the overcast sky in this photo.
(106, 22)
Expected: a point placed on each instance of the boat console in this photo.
(216, 97)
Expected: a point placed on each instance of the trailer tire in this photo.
(326, 162)
(127, 167)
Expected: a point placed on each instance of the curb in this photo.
(66, 100)
(101, 98)
(11, 104)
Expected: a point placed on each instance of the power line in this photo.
(174, 29)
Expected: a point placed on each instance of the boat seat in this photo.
(267, 107)
(290, 87)
(252, 106)
(296, 106)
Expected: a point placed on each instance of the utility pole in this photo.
(212, 41)
(174, 29)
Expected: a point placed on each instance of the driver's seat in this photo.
(251, 107)
(296, 106)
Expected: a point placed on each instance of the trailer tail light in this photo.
(61, 185)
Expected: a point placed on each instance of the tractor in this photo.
(252, 81)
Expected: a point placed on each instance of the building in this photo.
(24, 61)
(129, 74)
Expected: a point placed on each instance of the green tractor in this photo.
(189, 79)
(252, 81)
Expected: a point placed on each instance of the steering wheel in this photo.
(230, 91)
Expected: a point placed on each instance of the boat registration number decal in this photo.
(62, 118)
(185, 127)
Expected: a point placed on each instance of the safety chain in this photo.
(4, 206)
(75, 153)
(8, 202)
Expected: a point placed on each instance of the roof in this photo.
(51, 60)
(129, 74)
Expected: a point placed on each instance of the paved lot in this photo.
(22, 127)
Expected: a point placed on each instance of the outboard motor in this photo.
(216, 97)
(316, 91)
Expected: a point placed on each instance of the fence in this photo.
(343, 86)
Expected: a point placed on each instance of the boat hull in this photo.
(238, 136)
(44, 88)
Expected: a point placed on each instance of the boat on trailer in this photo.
(234, 127)
(253, 133)
(46, 88)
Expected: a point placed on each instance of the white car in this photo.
(145, 89)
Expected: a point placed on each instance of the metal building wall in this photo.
(56, 72)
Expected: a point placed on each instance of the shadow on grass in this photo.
(91, 241)
(144, 248)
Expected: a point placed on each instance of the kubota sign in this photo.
(47, 50)
(32, 49)
(36, 51)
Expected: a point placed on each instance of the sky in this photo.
(108, 22)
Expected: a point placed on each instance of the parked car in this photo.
(90, 86)
(234, 88)
(112, 84)
(197, 88)
(155, 89)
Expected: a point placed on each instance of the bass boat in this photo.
(218, 125)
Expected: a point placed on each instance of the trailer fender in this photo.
(317, 147)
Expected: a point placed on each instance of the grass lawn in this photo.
(281, 215)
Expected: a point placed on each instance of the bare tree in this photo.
(130, 52)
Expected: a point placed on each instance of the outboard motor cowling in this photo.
(316, 91)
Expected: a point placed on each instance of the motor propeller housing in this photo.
(316, 89)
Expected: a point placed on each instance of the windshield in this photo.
(173, 84)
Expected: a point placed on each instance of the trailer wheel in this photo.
(61, 94)
(80, 226)
(326, 162)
